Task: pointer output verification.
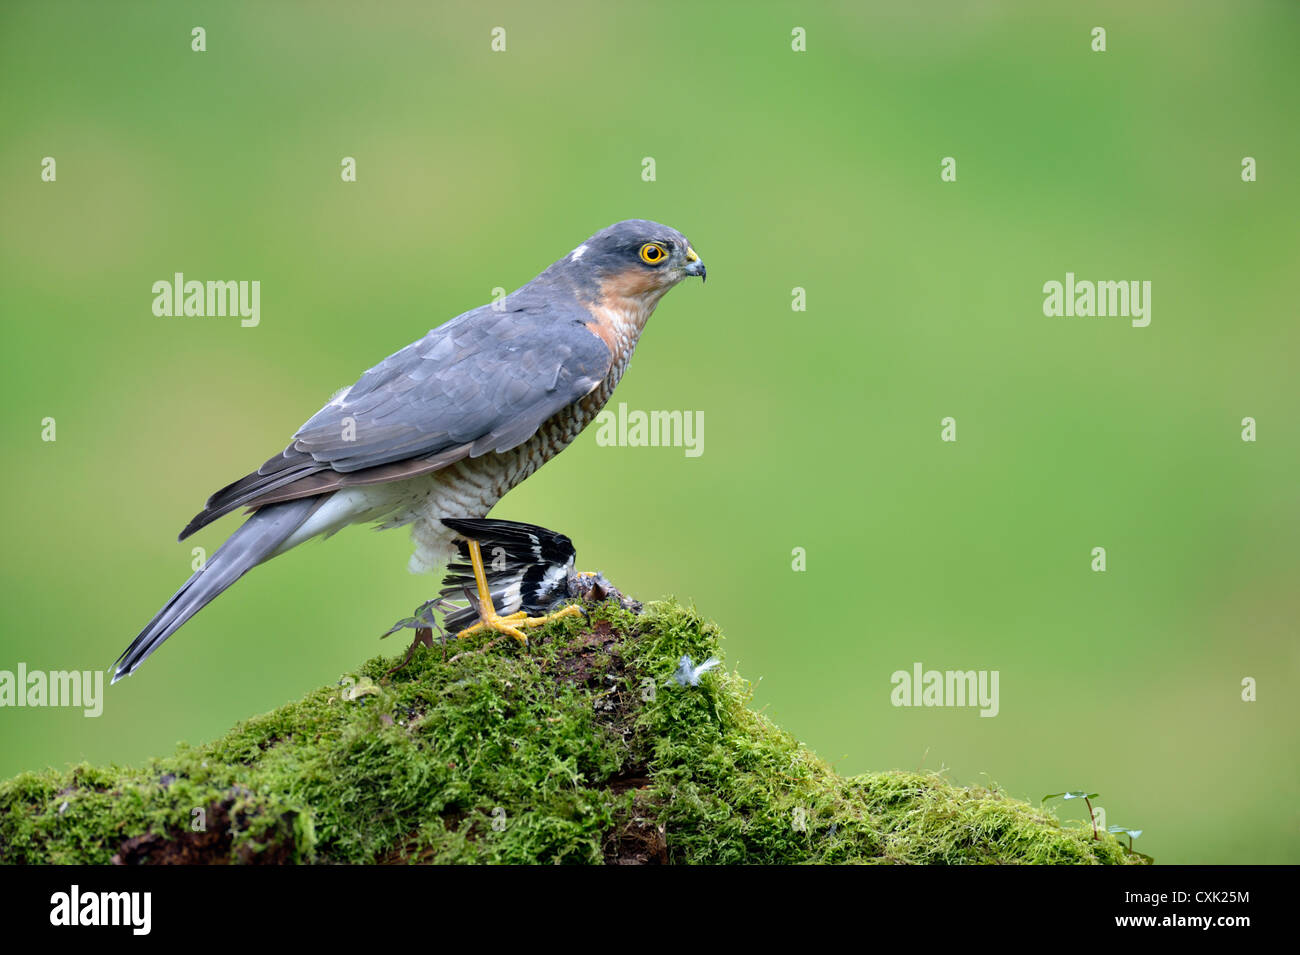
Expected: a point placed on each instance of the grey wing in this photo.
(483, 382)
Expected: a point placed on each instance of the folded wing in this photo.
(483, 382)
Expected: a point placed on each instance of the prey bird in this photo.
(521, 570)
(449, 424)
(525, 570)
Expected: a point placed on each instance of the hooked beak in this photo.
(693, 264)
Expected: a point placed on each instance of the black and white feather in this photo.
(528, 568)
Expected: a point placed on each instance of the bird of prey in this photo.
(449, 424)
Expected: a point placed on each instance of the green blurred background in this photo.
(818, 169)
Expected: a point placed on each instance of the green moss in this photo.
(578, 748)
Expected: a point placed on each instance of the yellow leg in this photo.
(510, 624)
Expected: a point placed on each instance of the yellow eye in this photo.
(652, 253)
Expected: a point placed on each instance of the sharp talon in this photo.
(512, 625)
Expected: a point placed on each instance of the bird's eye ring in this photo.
(652, 253)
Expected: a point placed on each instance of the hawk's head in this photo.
(634, 259)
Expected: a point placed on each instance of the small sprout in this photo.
(1087, 798)
(1131, 833)
(1076, 794)
(423, 619)
(689, 674)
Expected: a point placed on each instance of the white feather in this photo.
(552, 578)
(511, 597)
(353, 505)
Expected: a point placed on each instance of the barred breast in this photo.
(472, 487)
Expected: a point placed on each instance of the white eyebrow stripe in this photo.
(577, 253)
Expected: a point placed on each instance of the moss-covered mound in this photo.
(579, 748)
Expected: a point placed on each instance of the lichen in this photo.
(580, 748)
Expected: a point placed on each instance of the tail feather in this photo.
(254, 542)
(522, 543)
(241, 492)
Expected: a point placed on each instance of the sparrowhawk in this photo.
(449, 424)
